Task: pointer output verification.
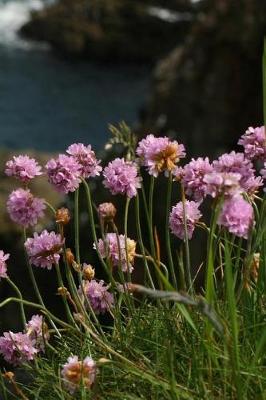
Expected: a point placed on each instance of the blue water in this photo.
(47, 103)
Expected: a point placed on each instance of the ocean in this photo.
(47, 103)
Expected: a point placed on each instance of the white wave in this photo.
(13, 14)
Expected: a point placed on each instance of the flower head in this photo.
(24, 208)
(76, 373)
(17, 348)
(101, 300)
(23, 168)
(37, 330)
(43, 250)
(218, 183)
(3, 268)
(119, 249)
(159, 154)
(177, 221)
(85, 156)
(237, 216)
(121, 177)
(254, 143)
(64, 173)
(107, 211)
(193, 175)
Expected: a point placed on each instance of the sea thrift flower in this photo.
(176, 220)
(85, 156)
(237, 216)
(254, 143)
(218, 183)
(119, 250)
(24, 208)
(23, 168)
(64, 173)
(97, 294)
(43, 250)
(159, 154)
(62, 216)
(37, 330)
(76, 373)
(3, 268)
(121, 177)
(107, 211)
(193, 177)
(17, 348)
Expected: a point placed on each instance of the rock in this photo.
(112, 30)
(207, 91)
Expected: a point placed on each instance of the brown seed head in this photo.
(88, 272)
(107, 211)
(62, 216)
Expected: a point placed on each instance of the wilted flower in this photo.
(107, 211)
(77, 373)
(254, 143)
(24, 208)
(85, 156)
(64, 173)
(38, 331)
(177, 221)
(121, 177)
(193, 177)
(43, 250)
(88, 272)
(23, 168)
(3, 267)
(62, 216)
(119, 249)
(17, 348)
(159, 154)
(97, 294)
(237, 216)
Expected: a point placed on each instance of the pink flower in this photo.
(24, 208)
(17, 348)
(77, 373)
(115, 248)
(23, 168)
(64, 173)
(98, 296)
(176, 220)
(121, 177)
(218, 183)
(254, 143)
(3, 268)
(43, 250)
(159, 154)
(193, 177)
(237, 216)
(85, 156)
(38, 331)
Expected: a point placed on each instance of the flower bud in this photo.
(62, 216)
(69, 256)
(62, 291)
(107, 211)
(88, 272)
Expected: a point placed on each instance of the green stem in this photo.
(125, 232)
(76, 223)
(16, 289)
(188, 265)
(167, 233)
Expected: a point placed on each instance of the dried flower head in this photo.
(23, 168)
(107, 211)
(70, 256)
(88, 272)
(24, 208)
(62, 216)
(76, 374)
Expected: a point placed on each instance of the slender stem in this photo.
(76, 223)
(125, 232)
(12, 284)
(188, 265)
(150, 217)
(141, 241)
(61, 283)
(167, 233)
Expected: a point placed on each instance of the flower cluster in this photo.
(180, 213)
(64, 173)
(44, 250)
(77, 373)
(254, 143)
(119, 249)
(3, 268)
(17, 348)
(159, 154)
(192, 177)
(23, 168)
(100, 299)
(85, 156)
(24, 208)
(121, 177)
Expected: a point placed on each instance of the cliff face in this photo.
(112, 30)
(207, 91)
